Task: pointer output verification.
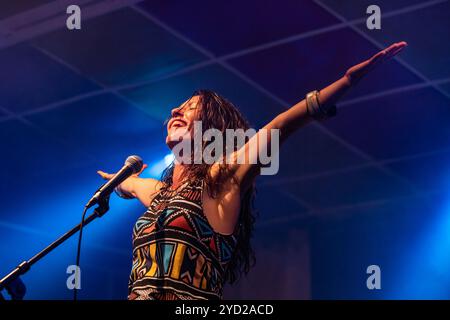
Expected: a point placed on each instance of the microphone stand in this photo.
(11, 280)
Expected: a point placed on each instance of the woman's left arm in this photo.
(303, 112)
(224, 209)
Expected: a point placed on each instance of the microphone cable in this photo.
(80, 235)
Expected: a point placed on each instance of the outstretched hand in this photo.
(355, 73)
(108, 176)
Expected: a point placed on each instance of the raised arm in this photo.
(303, 112)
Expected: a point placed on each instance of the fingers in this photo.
(104, 175)
(395, 48)
(402, 44)
(389, 52)
(396, 51)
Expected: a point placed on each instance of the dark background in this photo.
(370, 186)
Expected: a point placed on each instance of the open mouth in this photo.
(177, 123)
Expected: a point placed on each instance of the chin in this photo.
(170, 144)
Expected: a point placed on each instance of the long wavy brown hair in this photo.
(219, 113)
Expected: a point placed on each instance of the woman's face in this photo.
(181, 123)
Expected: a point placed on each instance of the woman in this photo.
(195, 234)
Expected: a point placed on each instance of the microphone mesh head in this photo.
(135, 162)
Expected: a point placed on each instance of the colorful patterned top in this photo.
(176, 253)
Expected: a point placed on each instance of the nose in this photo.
(176, 111)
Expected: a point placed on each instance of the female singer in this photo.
(195, 234)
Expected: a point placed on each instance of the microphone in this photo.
(132, 165)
